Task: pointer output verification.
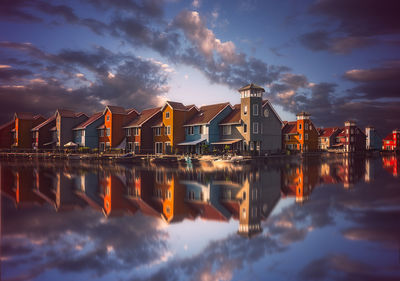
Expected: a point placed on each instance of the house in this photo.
(24, 122)
(86, 133)
(42, 134)
(6, 134)
(231, 131)
(351, 138)
(66, 120)
(327, 137)
(300, 135)
(111, 133)
(392, 141)
(258, 130)
(169, 131)
(374, 140)
(139, 132)
(202, 129)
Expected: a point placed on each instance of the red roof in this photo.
(115, 109)
(207, 211)
(52, 118)
(144, 116)
(389, 137)
(342, 133)
(290, 128)
(9, 123)
(92, 118)
(234, 117)
(327, 132)
(176, 105)
(207, 113)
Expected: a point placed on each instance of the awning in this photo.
(70, 144)
(192, 142)
(227, 141)
(50, 143)
(337, 145)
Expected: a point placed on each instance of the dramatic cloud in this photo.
(111, 78)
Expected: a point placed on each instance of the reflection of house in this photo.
(300, 135)
(111, 134)
(205, 199)
(7, 182)
(66, 120)
(203, 129)
(392, 141)
(42, 136)
(351, 170)
(6, 135)
(43, 185)
(373, 139)
(66, 198)
(87, 187)
(86, 134)
(24, 122)
(327, 137)
(24, 192)
(115, 201)
(391, 164)
(139, 132)
(169, 131)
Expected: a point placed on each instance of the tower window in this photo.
(245, 110)
(255, 109)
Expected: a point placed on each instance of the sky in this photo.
(336, 59)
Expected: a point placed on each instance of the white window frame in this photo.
(167, 115)
(255, 109)
(135, 131)
(168, 130)
(108, 132)
(157, 131)
(306, 136)
(245, 110)
(128, 132)
(255, 128)
(102, 133)
(227, 130)
(299, 136)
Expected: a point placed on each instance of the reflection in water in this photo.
(112, 194)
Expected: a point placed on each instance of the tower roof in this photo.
(251, 86)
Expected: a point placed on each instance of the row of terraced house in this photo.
(253, 126)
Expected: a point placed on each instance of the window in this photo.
(136, 146)
(167, 115)
(352, 131)
(300, 137)
(108, 132)
(168, 148)
(244, 195)
(167, 130)
(299, 126)
(244, 128)
(201, 129)
(129, 146)
(108, 117)
(101, 133)
(169, 195)
(251, 146)
(245, 110)
(306, 136)
(128, 132)
(190, 130)
(136, 131)
(286, 137)
(306, 126)
(227, 130)
(108, 145)
(310, 127)
(255, 109)
(255, 128)
(244, 213)
(157, 131)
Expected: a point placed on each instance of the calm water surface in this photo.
(335, 218)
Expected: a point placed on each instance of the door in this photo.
(158, 148)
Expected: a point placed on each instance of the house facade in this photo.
(392, 141)
(373, 139)
(230, 131)
(139, 132)
(42, 136)
(327, 137)
(169, 131)
(351, 138)
(86, 133)
(112, 133)
(6, 134)
(24, 122)
(203, 129)
(66, 120)
(300, 135)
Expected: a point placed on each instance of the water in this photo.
(317, 218)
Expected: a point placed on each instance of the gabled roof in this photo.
(290, 128)
(27, 116)
(175, 105)
(207, 113)
(251, 86)
(389, 137)
(234, 117)
(91, 119)
(9, 123)
(49, 120)
(327, 132)
(65, 113)
(144, 116)
(115, 109)
(267, 102)
(342, 133)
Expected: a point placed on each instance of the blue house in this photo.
(203, 128)
(86, 133)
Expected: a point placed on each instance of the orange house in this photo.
(170, 131)
(24, 122)
(112, 134)
(300, 135)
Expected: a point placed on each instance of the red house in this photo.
(351, 138)
(6, 135)
(392, 141)
(111, 134)
(139, 132)
(24, 122)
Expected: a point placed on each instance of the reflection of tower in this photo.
(249, 216)
(368, 176)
